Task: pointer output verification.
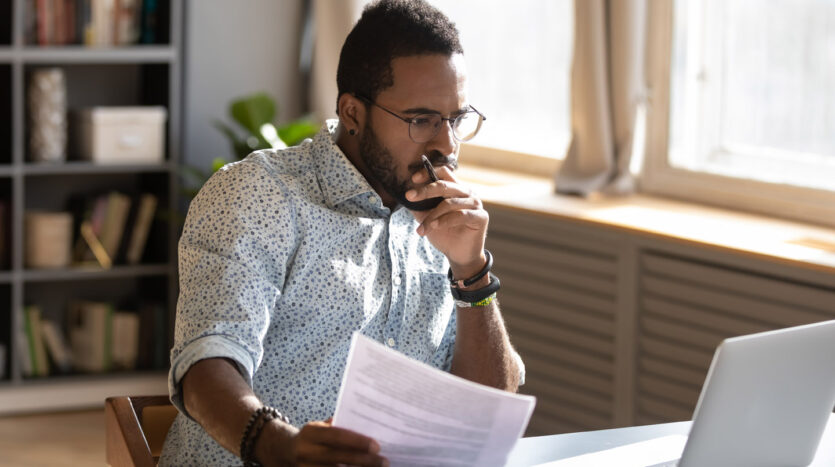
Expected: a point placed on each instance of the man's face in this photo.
(422, 84)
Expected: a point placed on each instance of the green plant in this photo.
(255, 115)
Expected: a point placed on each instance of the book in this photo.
(56, 346)
(91, 335)
(101, 228)
(44, 15)
(2, 361)
(149, 22)
(89, 213)
(126, 22)
(125, 340)
(23, 352)
(141, 226)
(113, 225)
(153, 336)
(37, 348)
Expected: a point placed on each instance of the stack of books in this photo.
(113, 228)
(98, 339)
(90, 22)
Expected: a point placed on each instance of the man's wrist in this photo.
(465, 271)
(479, 284)
(275, 445)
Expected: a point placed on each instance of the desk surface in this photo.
(540, 449)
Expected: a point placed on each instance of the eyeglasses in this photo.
(424, 127)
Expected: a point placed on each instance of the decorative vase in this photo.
(47, 115)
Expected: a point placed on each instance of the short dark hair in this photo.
(389, 29)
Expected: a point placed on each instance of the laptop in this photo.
(766, 400)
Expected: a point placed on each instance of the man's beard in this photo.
(382, 166)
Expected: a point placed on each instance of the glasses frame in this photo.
(410, 120)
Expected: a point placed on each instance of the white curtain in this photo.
(333, 20)
(607, 87)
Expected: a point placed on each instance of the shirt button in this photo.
(390, 342)
(372, 199)
(396, 280)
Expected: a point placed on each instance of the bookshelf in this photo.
(129, 75)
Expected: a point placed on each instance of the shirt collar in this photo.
(338, 177)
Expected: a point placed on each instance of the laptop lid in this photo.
(766, 399)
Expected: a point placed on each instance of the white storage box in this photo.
(122, 135)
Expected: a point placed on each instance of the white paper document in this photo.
(643, 454)
(422, 416)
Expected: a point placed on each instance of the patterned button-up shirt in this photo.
(283, 256)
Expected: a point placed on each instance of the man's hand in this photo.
(320, 443)
(457, 226)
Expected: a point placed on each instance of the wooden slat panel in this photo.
(737, 305)
(512, 302)
(699, 317)
(590, 362)
(768, 288)
(682, 394)
(673, 352)
(542, 425)
(654, 410)
(549, 233)
(554, 294)
(557, 276)
(674, 372)
(526, 252)
(588, 420)
(571, 395)
(682, 334)
(687, 308)
(520, 324)
(558, 373)
(558, 298)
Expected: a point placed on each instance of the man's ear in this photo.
(352, 112)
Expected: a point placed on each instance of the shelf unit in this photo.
(128, 75)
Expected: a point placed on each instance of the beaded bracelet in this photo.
(256, 423)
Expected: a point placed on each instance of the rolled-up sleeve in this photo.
(231, 271)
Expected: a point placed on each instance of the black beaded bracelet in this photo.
(471, 296)
(461, 283)
(256, 423)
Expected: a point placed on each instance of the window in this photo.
(518, 58)
(744, 104)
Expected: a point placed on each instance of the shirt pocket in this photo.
(436, 306)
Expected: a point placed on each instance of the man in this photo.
(287, 253)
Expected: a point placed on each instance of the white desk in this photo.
(536, 450)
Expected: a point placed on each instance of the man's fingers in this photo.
(338, 438)
(444, 172)
(473, 219)
(313, 453)
(447, 206)
(441, 188)
(329, 456)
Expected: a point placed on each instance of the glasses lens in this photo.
(424, 127)
(467, 125)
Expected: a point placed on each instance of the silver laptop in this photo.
(765, 401)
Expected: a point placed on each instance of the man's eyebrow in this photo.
(425, 110)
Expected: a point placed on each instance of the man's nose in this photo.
(444, 142)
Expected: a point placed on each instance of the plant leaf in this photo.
(253, 111)
(217, 163)
(296, 131)
(194, 176)
(270, 134)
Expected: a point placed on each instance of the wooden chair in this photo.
(136, 428)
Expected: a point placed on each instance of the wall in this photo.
(233, 49)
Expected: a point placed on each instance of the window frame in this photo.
(659, 177)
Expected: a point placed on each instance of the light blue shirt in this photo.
(283, 256)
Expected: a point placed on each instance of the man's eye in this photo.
(421, 120)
